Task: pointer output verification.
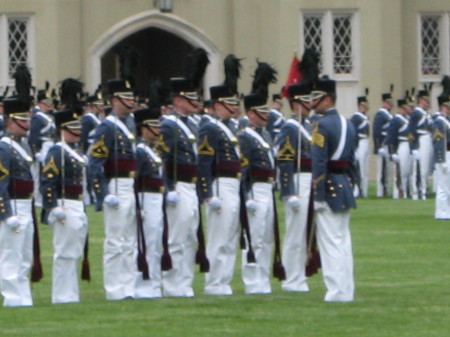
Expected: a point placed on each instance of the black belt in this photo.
(22, 196)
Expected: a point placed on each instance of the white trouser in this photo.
(442, 210)
(16, 257)
(294, 244)
(425, 164)
(362, 153)
(222, 237)
(183, 224)
(152, 216)
(406, 167)
(387, 171)
(335, 247)
(119, 250)
(256, 276)
(69, 239)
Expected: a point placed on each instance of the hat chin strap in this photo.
(126, 105)
(149, 128)
(20, 126)
(260, 117)
(320, 101)
(305, 106)
(228, 109)
(73, 134)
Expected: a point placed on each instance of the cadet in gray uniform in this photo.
(61, 186)
(332, 156)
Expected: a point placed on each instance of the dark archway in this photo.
(152, 54)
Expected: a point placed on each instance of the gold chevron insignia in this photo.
(161, 145)
(438, 135)
(205, 148)
(287, 152)
(99, 149)
(3, 171)
(318, 139)
(244, 161)
(51, 169)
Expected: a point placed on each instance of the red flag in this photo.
(294, 76)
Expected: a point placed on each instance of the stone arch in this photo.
(168, 22)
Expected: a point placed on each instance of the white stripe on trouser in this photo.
(406, 167)
(363, 161)
(183, 224)
(442, 209)
(69, 239)
(16, 257)
(152, 216)
(222, 237)
(335, 247)
(120, 250)
(388, 173)
(425, 162)
(256, 276)
(294, 244)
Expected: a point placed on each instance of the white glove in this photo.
(13, 222)
(320, 206)
(215, 203)
(172, 198)
(38, 157)
(251, 206)
(382, 152)
(294, 203)
(356, 156)
(416, 154)
(395, 158)
(59, 214)
(111, 200)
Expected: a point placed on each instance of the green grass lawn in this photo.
(402, 274)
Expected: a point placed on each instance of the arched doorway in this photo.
(155, 54)
(161, 41)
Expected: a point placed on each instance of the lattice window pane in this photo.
(430, 47)
(342, 44)
(18, 43)
(312, 32)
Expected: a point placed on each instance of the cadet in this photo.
(397, 140)
(16, 221)
(380, 125)
(441, 144)
(422, 147)
(112, 167)
(362, 127)
(178, 149)
(258, 173)
(62, 190)
(276, 118)
(41, 136)
(219, 178)
(332, 156)
(295, 181)
(92, 118)
(150, 186)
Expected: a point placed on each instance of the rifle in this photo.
(312, 264)
(418, 179)
(384, 176)
(398, 181)
(278, 269)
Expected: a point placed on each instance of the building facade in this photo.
(363, 43)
